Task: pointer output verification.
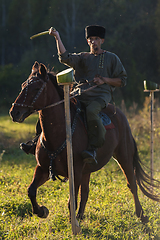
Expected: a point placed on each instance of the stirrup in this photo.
(89, 156)
(30, 146)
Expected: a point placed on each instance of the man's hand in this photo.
(98, 80)
(115, 82)
(53, 32)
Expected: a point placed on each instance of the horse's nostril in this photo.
(15, 115)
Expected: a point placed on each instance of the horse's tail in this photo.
(144, 181)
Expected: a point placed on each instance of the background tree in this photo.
(132, 32)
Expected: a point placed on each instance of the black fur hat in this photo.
(95, 30)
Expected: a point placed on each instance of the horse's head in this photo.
(32, 95)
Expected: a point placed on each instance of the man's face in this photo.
(95, 44)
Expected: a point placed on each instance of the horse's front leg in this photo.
(77, 182)
(83, 195)
(39, 178)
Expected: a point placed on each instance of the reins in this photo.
(78, 94)
(74, 95)
(59, 102)
(40, 91)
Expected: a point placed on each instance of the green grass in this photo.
(109, 213)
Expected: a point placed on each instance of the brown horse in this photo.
(41, 90)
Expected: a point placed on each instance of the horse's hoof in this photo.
(43, 212)
(144, 219)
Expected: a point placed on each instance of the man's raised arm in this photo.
(60, 47)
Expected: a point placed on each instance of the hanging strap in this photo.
(52, 155)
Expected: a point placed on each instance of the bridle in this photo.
(29, 82)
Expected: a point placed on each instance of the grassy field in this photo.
(109, 211)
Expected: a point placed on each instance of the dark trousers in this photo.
(96, 130)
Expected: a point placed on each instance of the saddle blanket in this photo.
(106, 121)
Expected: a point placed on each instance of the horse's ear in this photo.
(35, 66)
(43, 71)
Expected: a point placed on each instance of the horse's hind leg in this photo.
(39, 178)
(133, 188)
(84, 191)
(84, 182)
(126, 163)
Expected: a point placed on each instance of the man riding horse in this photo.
(97, 67)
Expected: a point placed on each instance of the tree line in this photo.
(132, 32)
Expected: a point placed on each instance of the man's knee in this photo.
(92, 110)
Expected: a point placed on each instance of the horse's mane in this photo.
(59, 88)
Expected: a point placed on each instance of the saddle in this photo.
(104, 117)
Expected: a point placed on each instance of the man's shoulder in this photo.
(112, 56)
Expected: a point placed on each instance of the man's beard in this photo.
(95, 49)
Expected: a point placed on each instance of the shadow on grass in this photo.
(22, 210)
(15, 156)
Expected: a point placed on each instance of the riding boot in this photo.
(30, 146)
(89, 156)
